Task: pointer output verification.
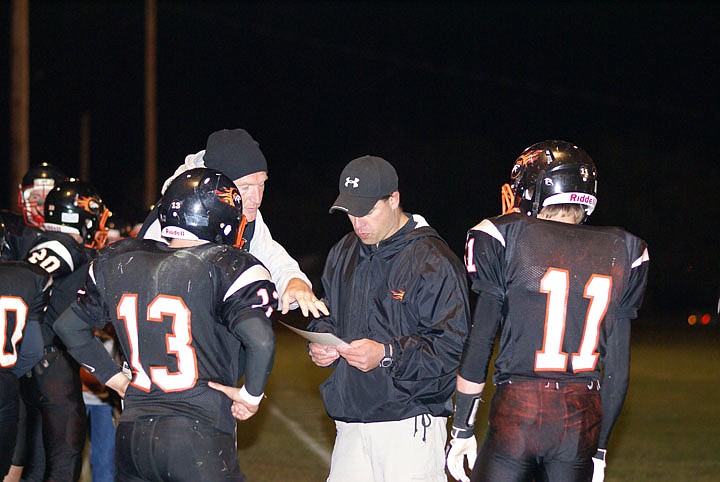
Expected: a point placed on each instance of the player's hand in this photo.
(241, 409)
(119, 382)
(599, 465)
(459, 449)
(363, 354)
(298, 291)
(322, 355)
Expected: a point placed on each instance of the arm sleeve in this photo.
(281, 265)
(74, 327)
(481, 341)
(31, 348)
(616, 359)
(84, 346)
(248, 303)
(485, 264)
(615, 377)
(255, 332)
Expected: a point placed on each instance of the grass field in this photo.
(669, 429)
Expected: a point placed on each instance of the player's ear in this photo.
(394, 200)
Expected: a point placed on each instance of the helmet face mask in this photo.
(553, 172)
(202, 204)
(35, 186)
(75, 207)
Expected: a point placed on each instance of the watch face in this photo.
(386, 362)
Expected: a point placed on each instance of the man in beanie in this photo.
(237, 155)
(399, 298)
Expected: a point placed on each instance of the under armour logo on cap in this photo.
(363, 182)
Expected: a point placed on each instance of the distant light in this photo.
(692, 319)
(705, 319)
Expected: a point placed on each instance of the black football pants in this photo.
(175, 448)
(53, 398)
(9, 400)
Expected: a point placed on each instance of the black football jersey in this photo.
(19, 236)
(24, 291)
(171, 309)
(562, 286)
(57, 253)
(67, 261)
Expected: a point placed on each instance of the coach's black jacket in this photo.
(411, 291)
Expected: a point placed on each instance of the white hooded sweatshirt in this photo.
(276, 259)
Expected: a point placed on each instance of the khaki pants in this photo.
(406, 450)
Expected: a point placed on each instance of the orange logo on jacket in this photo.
(398, 295)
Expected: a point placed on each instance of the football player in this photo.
(23, 230)
(74, 228)
(22, 233)
(236, 154)
(24, 291)
(181, 311)
(561, 295)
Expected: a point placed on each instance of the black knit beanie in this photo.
(234, 153)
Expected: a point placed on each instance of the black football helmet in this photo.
(202, 204)
(34, 188)
(551, 172)
(76, 207)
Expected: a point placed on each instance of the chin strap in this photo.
(101, 235)
(239, 240)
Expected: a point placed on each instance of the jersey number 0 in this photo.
(17, 305)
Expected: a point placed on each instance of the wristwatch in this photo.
(387, 360)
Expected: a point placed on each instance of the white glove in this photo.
(459, 449)
(599, 465)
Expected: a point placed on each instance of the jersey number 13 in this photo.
(177, 343)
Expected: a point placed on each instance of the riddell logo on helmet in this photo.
(582, 199)
(174, 232)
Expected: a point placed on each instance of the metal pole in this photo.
(151, 190)
(19, 96)
(85, 146)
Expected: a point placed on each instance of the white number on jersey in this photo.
(43, 258)
(556, 284)
(177, 344)
(18, 306)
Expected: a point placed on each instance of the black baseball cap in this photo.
(362, 183)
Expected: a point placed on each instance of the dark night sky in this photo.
(448, 92)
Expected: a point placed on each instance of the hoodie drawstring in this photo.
(425, 421)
